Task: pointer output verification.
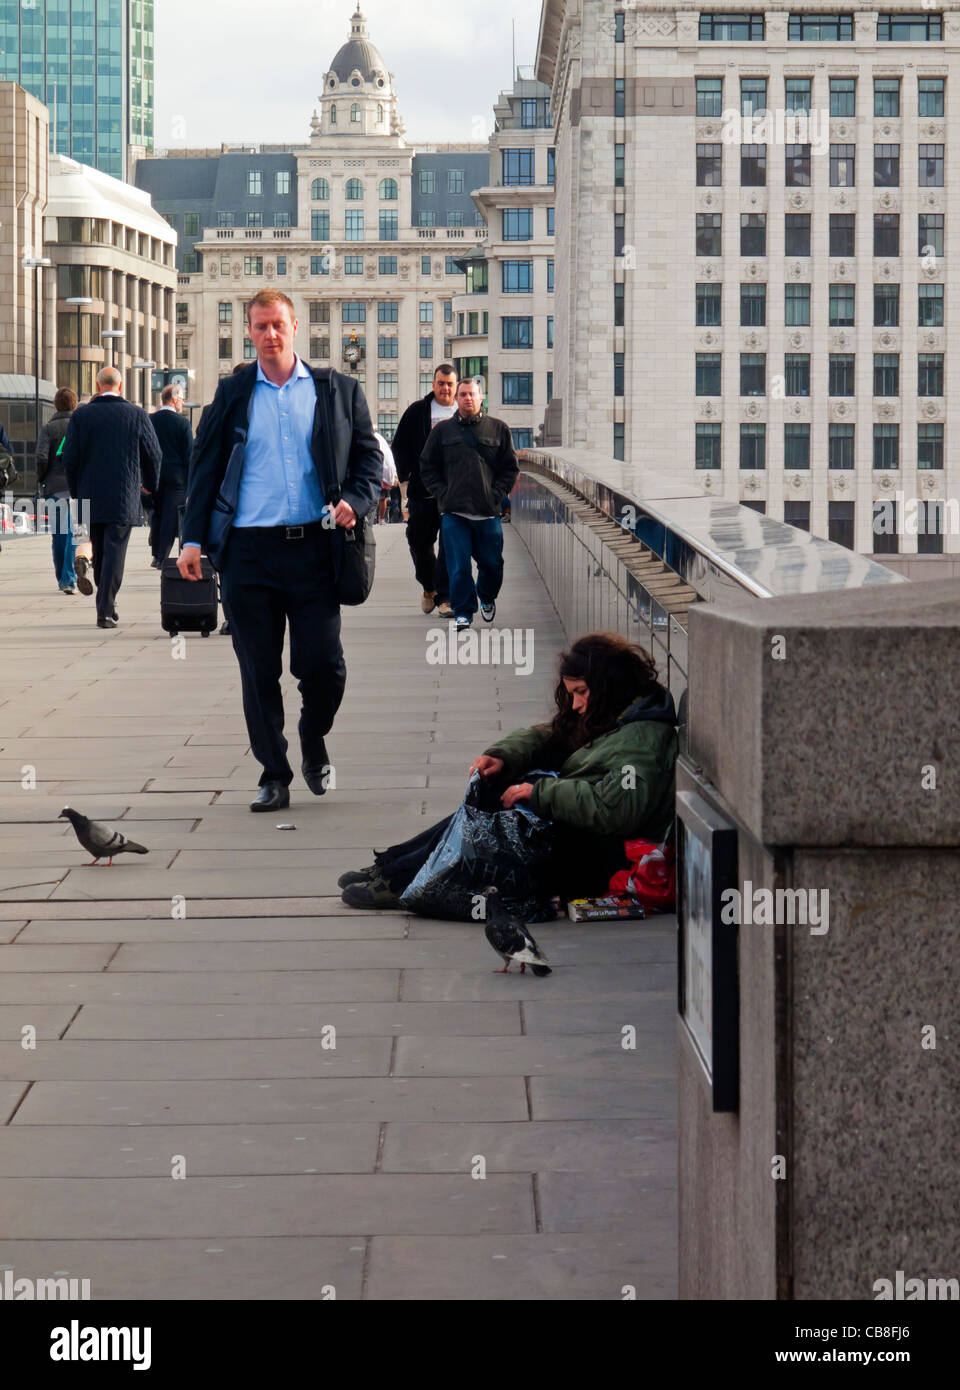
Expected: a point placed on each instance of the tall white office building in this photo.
(756, 254)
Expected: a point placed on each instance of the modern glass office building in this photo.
(91, 63)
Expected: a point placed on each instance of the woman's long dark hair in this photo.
(615, 671)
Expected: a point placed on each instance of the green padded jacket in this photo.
(621, 784)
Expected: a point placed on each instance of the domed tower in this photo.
(358, 96)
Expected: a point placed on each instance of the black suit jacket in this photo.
(176, 442)
(412, 434)
(109, 453)
(341, 428)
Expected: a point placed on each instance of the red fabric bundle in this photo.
(651, 877)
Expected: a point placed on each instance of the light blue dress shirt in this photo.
(279, 485)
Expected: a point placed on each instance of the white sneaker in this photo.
(488, 611)
(462, 623)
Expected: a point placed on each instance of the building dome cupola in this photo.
(358, 96)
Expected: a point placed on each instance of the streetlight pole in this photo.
(192, 406)
(143, 367)
(80, 300)
(36, 264)
(110, 335)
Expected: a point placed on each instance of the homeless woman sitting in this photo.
(609, 754)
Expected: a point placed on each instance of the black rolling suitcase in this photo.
(188, 605)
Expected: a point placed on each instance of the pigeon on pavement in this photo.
(510, 939)
(100, 840)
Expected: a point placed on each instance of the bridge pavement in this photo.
(181, 1001)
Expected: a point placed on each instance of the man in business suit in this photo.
(176, 440)
(309, 467)
(111, 456)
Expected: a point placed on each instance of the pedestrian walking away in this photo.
(469, 465)
(8, 469)
(423, 515)
(52, 477)
(176, 441)
(389, 480)
(111, 457)
(284, 464)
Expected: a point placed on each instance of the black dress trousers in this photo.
(109, 541)
(266, 582)
(165, 524)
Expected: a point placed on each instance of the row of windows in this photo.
(798, 96)
(319, 265)
(282, 182)
(821, 28)
(753, 234)
(388, 226)
(429, 181)
(356, 115)
(353, 190)
(388, 311)
(795, 380)
(841, 305)
(518, 167)
(840, 446)
(842, 166)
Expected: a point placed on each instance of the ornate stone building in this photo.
(755, 268)
(361, 230)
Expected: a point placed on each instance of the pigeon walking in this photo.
(100, 840)
(510, 939)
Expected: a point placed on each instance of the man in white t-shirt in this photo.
(423, 524)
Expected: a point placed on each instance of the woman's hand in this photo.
(521, 792)
(486, 766)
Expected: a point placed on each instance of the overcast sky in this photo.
(251, 70)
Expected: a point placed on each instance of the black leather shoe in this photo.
(106, 622)
(272, 796)
(316, 774)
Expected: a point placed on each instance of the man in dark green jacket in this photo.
(469, 465)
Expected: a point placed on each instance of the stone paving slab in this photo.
(593, 1201)
(167, 1060)
(519, 1267)
(578, 1055)
(300, 955)
(88, 1208)
(593, 1098)
(11, 1094)
(284, 1021)
(596, 983)
(269, 1102)
(49, 1020)
(356, 928)
(613, 1146)
(182, 987)
(289, 1269)
(15, 959)
(123, 1151)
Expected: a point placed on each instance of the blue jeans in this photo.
(463, 542)
(63, 546)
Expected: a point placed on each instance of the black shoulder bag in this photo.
(359, 552)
